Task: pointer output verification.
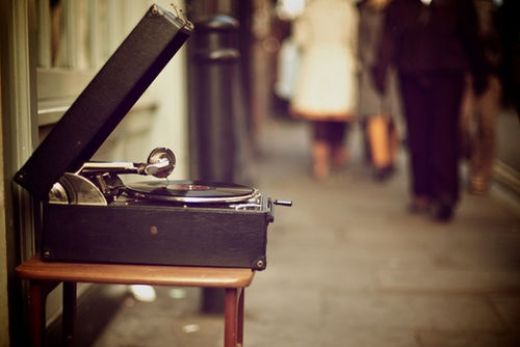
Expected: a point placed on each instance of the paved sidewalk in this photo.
(348, 266)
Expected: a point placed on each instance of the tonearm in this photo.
(94, 182)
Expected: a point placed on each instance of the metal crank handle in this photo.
(286, 203)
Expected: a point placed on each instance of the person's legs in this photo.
(393, 140)
(467, 120)
(381, 137)
(337, 134)
(483, 156)
(417, 115)
(320, 150)
(446, 99)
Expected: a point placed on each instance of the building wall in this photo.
(4, 317)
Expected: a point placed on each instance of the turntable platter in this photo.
(191, 191)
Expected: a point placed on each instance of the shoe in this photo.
(384, 173)
(320, 160)
(419, 205)
(478, 186)
(320, 171)
(340, 158)
(442, 212)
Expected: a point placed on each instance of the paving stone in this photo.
(163, 322)
(291, 305)
(449, 280)
(463, 339)
(414, 311)
(316, 276)
(508, 307)
(370, 337)
(275, 335)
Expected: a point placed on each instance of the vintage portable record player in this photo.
(90, 215)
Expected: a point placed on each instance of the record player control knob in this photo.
(161, 162)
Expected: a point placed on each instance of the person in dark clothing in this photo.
(432, 44)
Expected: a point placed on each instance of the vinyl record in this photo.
(191, 191)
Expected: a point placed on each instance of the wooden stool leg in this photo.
(232, 318)
(38, 291)
(69, 312)
(240, 322)
(37, 312)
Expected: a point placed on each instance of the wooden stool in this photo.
(45, 276)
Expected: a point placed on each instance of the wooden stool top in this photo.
(36, 269)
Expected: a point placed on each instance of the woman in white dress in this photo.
(326, 85)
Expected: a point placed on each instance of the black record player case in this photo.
(156, 235)
(147, 233)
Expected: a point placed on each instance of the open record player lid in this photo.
(106, 99)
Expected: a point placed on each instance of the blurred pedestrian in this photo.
(326, 87)
(376, 111)
(479, 113)
(432, 44)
